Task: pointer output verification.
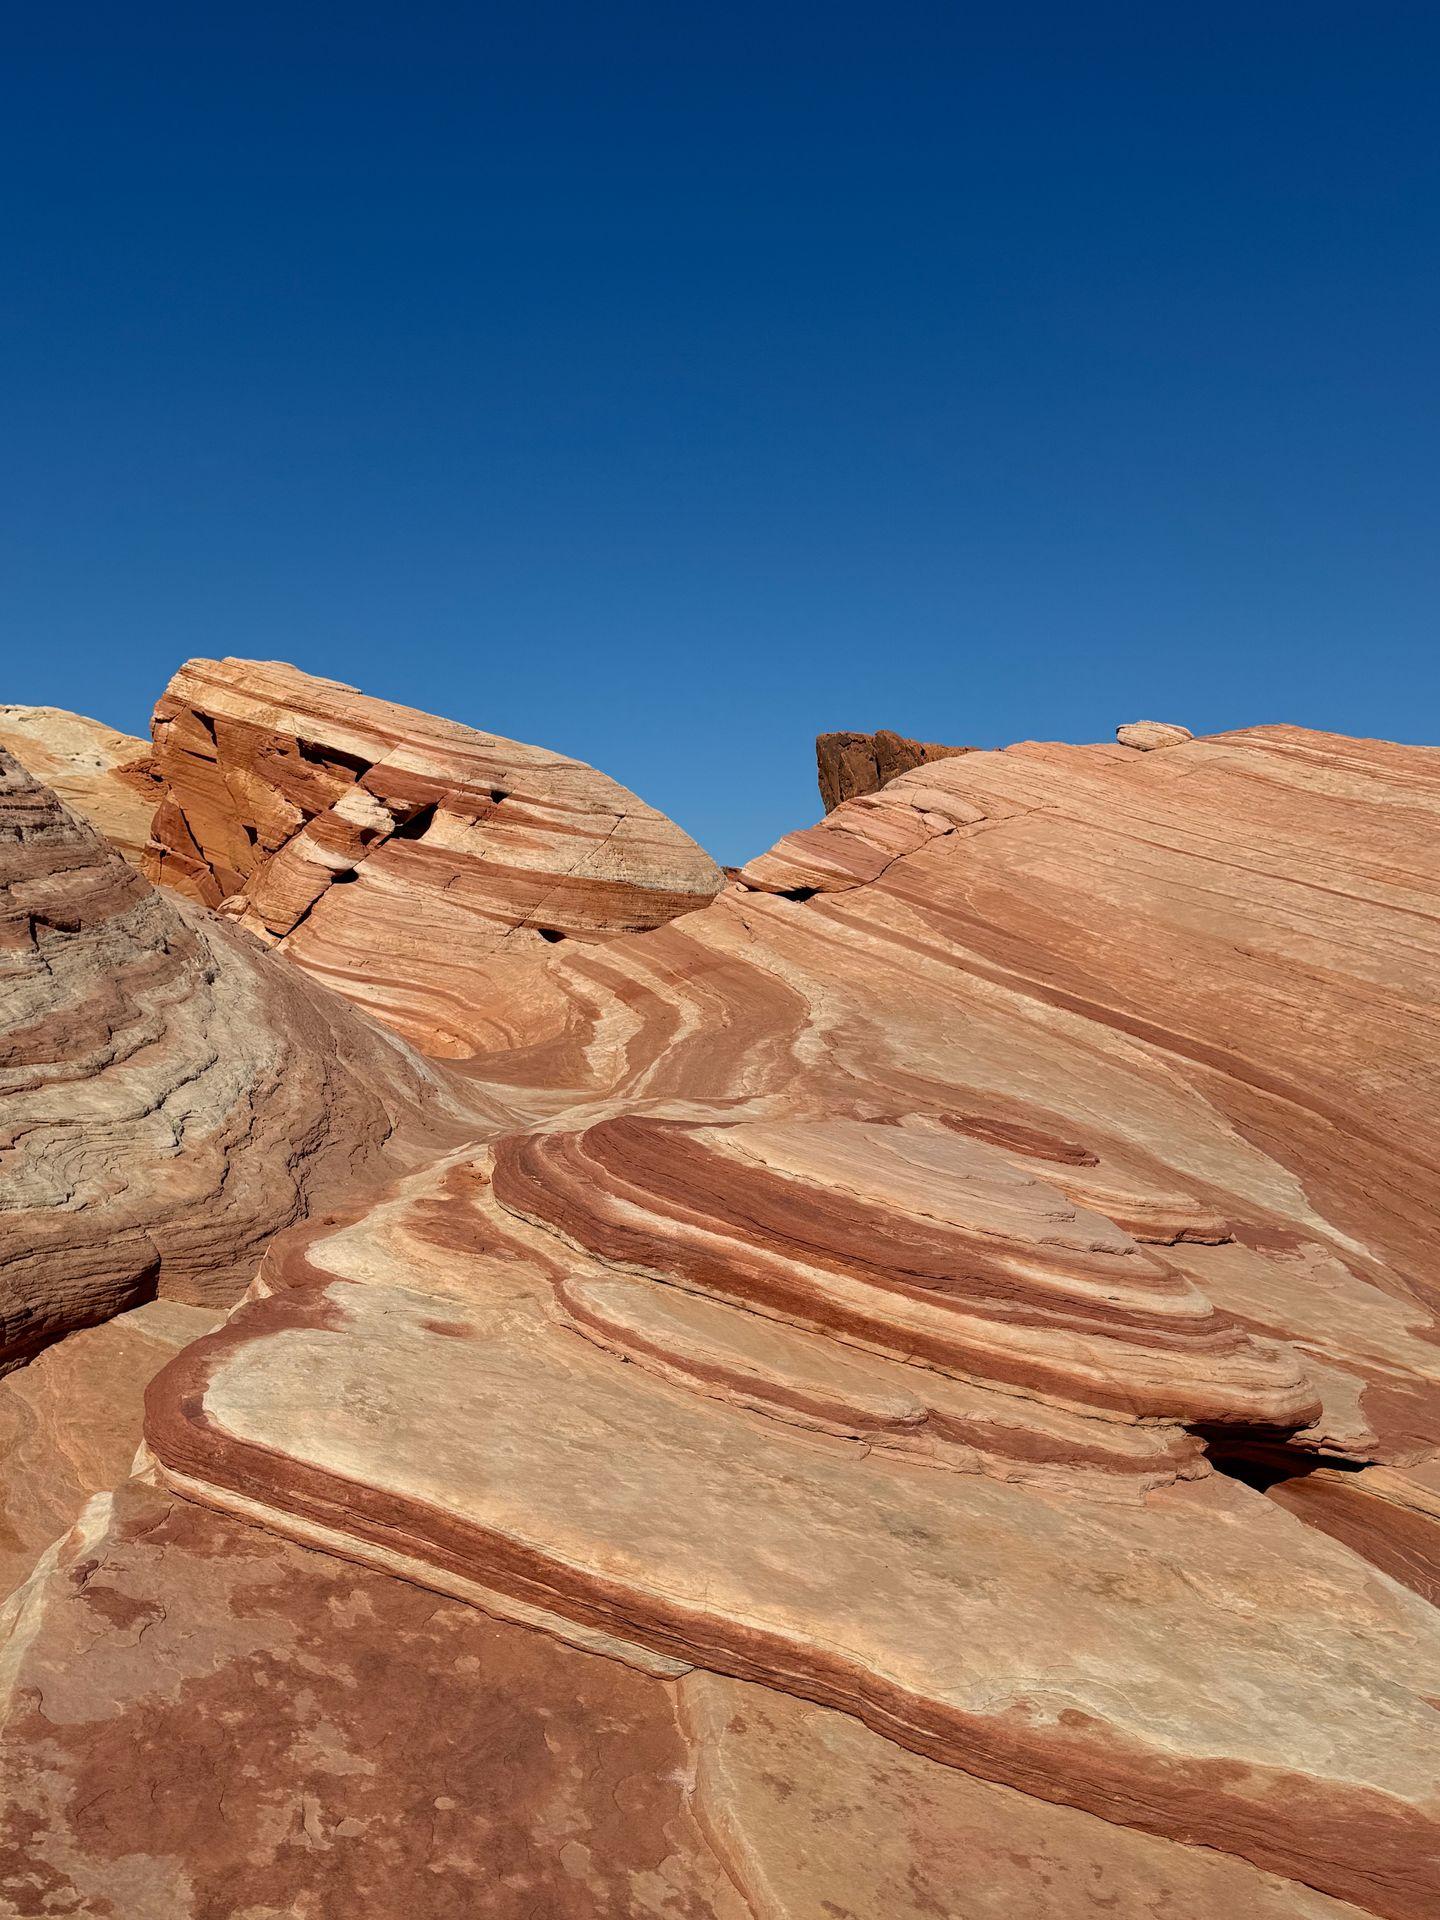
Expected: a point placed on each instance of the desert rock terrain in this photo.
(409, 863)
(904, 1383)
(104, 776)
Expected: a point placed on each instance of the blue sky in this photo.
(665, 384)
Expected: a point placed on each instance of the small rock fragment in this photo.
(1147, 735)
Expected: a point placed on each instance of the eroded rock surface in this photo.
(104, 776)
(932, 1358)
(410, 863)
(1052, 1601)
(170, 1095)
(206, 1722)
(400, 1754)
(851, 764)
(70, 1422)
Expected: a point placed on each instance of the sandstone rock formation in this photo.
(915, 1393)
(104, 776)
(1147, 735)
(170, 1096)
(783, 1351)
(70, 1422)
(403, 1754)
(408, 862)
(851, 764)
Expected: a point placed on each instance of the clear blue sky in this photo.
(664, 383)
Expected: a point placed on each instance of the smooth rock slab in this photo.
(817, 1817)
(70, 1423)
(199, 1721)
(1147, 735)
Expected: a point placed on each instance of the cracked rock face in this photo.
(914, 1393)
(170, 1095)
(409, 863)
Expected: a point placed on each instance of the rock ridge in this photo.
(104, 776)
(407, 862)
(909, 1388)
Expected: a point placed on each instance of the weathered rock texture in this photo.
(104, 776)
(851, 764)
(216, 1722)
(70, 1423)
(410, 863)
(170, 1095)
(1147, 735)
(923, 1400)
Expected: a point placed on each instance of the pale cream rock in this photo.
(1147, 735)
(102, 775)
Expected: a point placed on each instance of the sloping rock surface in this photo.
(412, 864)
(102, 775)
(851, 764)
(921, 1396)
(493, 1390)
(170, 1094)
(70, 1422)
(216, 1722)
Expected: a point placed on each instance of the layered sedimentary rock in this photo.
(104, 776)
(851, 764)
(214, 1721)
(170, 1095)
(929, 1366)
(608, 1381)
(1389, 1515)
(412, 864)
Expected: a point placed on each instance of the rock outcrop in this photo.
(410, 863)
(1147, 735)
(919, 1394)
(852, 764)
(104, 776)
(170, 1095)
(774, 1353)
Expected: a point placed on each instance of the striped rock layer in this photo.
(412, 864)
(170, 1095)
(102, 775)
(284, 1731)
(922, 1399)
